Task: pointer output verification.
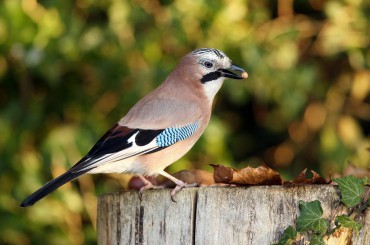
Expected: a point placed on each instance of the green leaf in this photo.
(317, 240)
(347, 222)
(351, 190)
(310, 217)
(288, 236)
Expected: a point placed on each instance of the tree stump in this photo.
(214, 215)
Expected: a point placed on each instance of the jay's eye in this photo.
(208, 64)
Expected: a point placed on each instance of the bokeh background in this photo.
(70, 69)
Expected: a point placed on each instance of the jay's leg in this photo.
(147, 185)
(179, 184)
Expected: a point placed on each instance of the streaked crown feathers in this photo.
(214, 55)
(216, 52)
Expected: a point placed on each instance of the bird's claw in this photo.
(148, 186)
(179, 186)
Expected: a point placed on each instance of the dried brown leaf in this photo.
(222, 174)
(302, 180)
(262, 175)
(342, 235)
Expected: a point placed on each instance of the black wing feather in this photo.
(144, 137)
(115, 140)
(112, 141)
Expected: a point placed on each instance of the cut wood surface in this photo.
(214, 215)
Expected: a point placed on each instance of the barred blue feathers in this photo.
(170, 136)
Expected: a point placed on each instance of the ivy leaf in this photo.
(288, 237)
(351, 190)
(310, 217)
(347, 222)
(317, 240)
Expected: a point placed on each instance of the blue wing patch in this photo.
(171, 135)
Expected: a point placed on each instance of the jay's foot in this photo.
(179, 185)
(147, 186)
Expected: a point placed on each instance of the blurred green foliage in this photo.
(70, 69)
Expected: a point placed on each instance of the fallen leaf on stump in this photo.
(302, 180)
(262, 175)
(222, 175)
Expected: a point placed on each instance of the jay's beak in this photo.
(229, 74)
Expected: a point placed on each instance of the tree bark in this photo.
(215, 215)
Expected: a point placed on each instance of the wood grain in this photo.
(213, 215)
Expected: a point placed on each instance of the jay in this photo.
(160, 128)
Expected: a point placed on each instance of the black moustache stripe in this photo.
(211, 76)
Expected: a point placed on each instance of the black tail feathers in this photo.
(50, 187)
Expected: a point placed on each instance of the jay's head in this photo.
(207, 68)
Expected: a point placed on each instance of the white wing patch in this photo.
(111, 162)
